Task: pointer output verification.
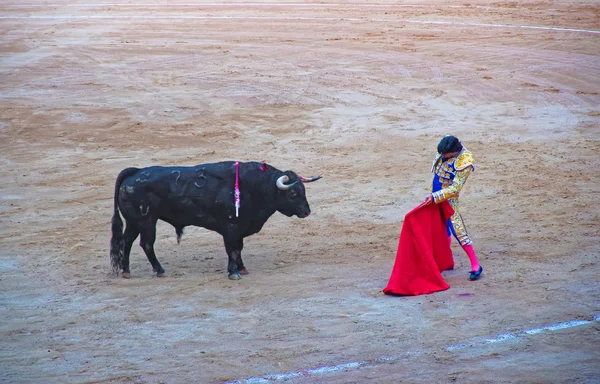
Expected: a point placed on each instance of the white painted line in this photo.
(290, 375)
(527, 332)
(335, 368)
(187, 17)
(309, 5)
(182, 17)
(501, 338)
(270, 378)
(499, 26)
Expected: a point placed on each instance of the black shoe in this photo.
(476, 274)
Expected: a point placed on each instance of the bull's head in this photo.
(292, 198)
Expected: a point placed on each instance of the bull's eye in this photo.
(293, 193)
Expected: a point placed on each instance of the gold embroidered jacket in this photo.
(451, 175)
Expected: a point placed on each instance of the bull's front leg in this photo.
(235, 266)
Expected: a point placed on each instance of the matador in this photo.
(451, 168)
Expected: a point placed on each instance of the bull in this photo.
(202, 196)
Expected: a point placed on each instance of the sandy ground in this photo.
(358, 92)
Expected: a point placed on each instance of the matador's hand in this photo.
(428, 199)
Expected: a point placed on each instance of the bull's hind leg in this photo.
(131, 233)
(147, 239)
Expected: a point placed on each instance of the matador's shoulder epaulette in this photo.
(465, 159)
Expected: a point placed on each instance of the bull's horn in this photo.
(281, 183)
(310, 179)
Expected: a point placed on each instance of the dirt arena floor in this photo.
(360, 92)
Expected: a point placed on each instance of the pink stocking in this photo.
(471, 253)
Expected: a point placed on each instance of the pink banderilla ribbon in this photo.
(237, 189)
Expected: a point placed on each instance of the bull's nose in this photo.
(304, 215)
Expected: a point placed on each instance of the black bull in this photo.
(202, 196)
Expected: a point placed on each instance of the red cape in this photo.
(423, 252)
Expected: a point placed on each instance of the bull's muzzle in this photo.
(302, 215)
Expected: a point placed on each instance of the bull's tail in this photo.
(116, 241)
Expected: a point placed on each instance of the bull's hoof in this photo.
(244, 271)
(235, 276)
(126, 275)
(161, 274)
